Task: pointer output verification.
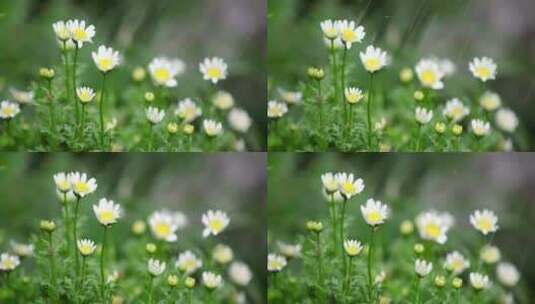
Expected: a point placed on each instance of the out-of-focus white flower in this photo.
(456, 262)
(239, 120)
(8, 262)
(154, 115)
(155, 267)
(479, 281)
(490, 101)
(8, 109)
(290, 97)
(188, 262)
(329, 28)
(212, 127)
(423, 116)
(211, 280)
(163, 71)
(447, 67)
(276, 262)
(290, 250)
(483, 68)
(22, 97)
(214, 222)
(222, 254)
(480, 127)
(62, 182)
(163, 226)
(61, 30)
(485, 221)
(430, 74)
(422, 267)
(490, 254)
(223, 100)
(276, 109)
(22, 250)
(507, 274)
(433, 226)
(188, 110)
(213, 69)
(455, 110)
(336, 43)
(506, 120)
(240, 273)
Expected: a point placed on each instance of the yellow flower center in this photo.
(433, 230)
(214, 72)
(457, 265)
(8, 264)
(216, 225)
(372, 64)
(374, 216)
(189, 113)
(105, 64)
(348, 35)
(353, 98)
(8, 111)
(162, 229)
(429, 77)
(80, 187)
(484, 224)
(457, 112)
(85, 96)
(189, 265)
(79, 34)
(64, 185)
(162, 75)
(106, 216)
(483, 72)
(86, 249)
(348, 188)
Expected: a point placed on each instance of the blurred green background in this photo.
(410, 183)
(142, 183)
(141, 30)
(409, 30)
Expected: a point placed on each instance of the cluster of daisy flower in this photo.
(67, 107)
(436, 268)
(70, 255)
(370, 131)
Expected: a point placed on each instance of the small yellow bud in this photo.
(316, 73)
(189, 282)
(316, 227)
(172, 128)
(138, 227)
(406, 227)
(406, 75)
(440, 127)
(419, 248)
(457, 129)
(47, 226)
(440, 281)
(172, 280)
(139, 74)
(457, 283)
(419, 95)
(149, 96)
(188, 129)
(47, 73)
(151, 248)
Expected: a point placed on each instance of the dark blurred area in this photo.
(141, 30)
(142, 183)
(411, 183)
(409, 30)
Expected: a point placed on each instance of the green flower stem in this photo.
(458, 296)
(74, 83)
(370, 100)
(150, 137)
(51, 106)
(370, 260)
(8, 127)
(82, 277)
(334, 70)
(83, 121)
(151, 279)
(189, 295)
(75, 236)
(418, 137)
(343, 83)
(348, 275)
(101, 109)
(417, 291)
(66, 66)
(333, 222)
(102, 286)
(53, 280)
(66, 222)
(342, 234)
(318, 253)
(320, 105)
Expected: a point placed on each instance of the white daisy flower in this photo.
(506, 120)
(276, 109)
(348, 185)
(86, 247)
(223, 100)
(456, 262)
(22, 250)
(490, 101)
(240, 273)
(8, 109)
(212, 127)
(8, 262)
(79, 32)
(290, 251)
(276, 262)
(349, 32)
(329, 181)
(507, 274)
(211, 280)
(81, 184)
(479, 281)
(85, 94)
(163, 226)
(290, 97)
(239, 120)
(107, 212)
(374, 212)
(352, 247)
(329, 28)
(353, 95)
(106, 59)
(188, 110)
(490, 254)
(222, 254)
(179, 219)
(61, 30)
(455, 110)
(213, 69)
(485, 221)
(188, 262)
(483, 68)
(422, 267)
(374, 59)
(62, 182)
(155, 267)
(430, 74)
(423, 116)
(480, 127)
(447, 67)
(214, 222)
(433, 226)
(163, 71)
(154, 115)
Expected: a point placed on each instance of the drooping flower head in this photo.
(374, 212)
(107, 212)
(214, 222)
(374, 59)
(483, 68)
(213, 69)
(81, 184)
(430, 74)
(106, 59)
(485, 221)
(163, 226)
